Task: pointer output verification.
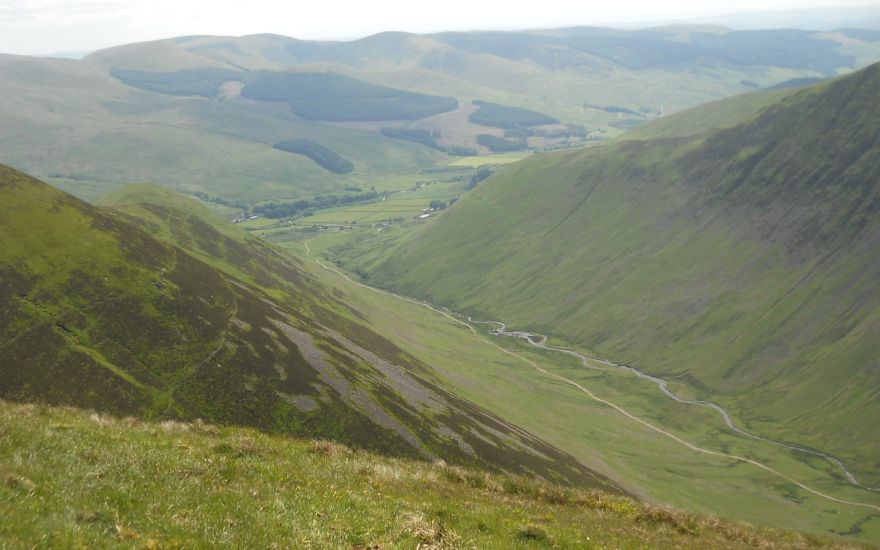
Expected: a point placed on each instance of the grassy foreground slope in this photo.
(741, 264)
(71, 478)
(174, 315)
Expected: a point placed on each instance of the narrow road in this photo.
(540, 339)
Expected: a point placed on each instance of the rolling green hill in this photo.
(75, 126)
(155, 308)
(562, 72)
(740, 264)
(642, 49)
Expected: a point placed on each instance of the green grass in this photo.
(71, 478)
(503, 158)
(714, 115)
(401, 198)
(400, 205)
(375, 212)
(97, 150)
(444, 354)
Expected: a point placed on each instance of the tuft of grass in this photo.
(676, 520)
(532, 533)
(431, 534)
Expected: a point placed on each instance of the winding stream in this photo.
(540, 341)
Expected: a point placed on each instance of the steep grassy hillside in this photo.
(75, 479)
(741, 264)
(715, 115)
(187, 318)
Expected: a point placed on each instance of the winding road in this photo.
(540, 341)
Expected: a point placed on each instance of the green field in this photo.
(369, 213)
(652, 465)
(407, 204)
(714, 115)
(503, 158)
(403, 198)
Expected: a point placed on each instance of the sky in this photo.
(37, 27)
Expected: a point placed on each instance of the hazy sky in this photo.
(47, 26)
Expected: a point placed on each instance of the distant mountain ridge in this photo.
(822, 18)
(201, 114)
(635, 49)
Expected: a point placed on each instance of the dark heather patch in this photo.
(41, 365)
(371, 340)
